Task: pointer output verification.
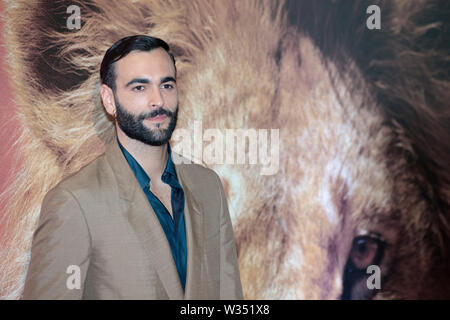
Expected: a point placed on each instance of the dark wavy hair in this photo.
(122, 48)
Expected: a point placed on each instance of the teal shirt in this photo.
(175, 228)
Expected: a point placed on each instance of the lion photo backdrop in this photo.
(359, 206)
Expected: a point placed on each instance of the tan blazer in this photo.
(101, 221)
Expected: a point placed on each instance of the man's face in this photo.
(146, 96)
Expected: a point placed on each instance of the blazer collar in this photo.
(148, 228)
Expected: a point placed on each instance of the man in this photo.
(134, 224)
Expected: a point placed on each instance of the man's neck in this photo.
(153, 159)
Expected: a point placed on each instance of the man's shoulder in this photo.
(75, 193)
(87, 178)
(195, 172)
(205, 185)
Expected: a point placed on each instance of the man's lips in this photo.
(159, 118)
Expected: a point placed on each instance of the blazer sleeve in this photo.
(60, 250)
(230, 281)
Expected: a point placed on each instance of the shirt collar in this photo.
(169, 175)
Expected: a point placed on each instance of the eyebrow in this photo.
(145, 80)
(168, 79)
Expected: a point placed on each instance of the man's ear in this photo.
(108, 99)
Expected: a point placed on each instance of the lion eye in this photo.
(364, 252)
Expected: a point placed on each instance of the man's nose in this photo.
(156, 98)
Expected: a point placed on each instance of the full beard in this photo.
(133, 125)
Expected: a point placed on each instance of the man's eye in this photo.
(167, 86)
(138, 88)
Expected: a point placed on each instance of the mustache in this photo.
(158, 112)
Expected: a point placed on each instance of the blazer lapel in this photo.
(193, 219)
(145, 223)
